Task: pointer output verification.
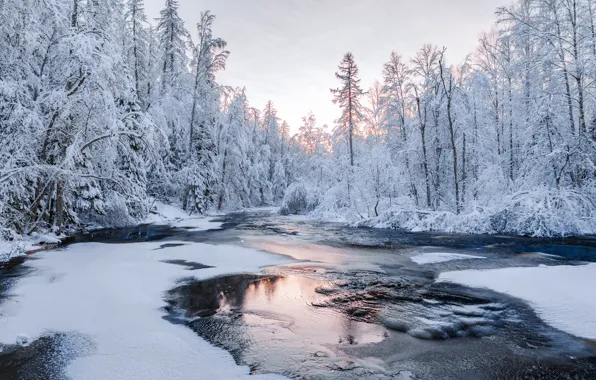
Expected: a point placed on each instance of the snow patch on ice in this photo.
(197, 224)
(167, 214)
(162, 213)
(563, 296)
(114, 294)
(299, 217)
(441, 257)
(268, 209)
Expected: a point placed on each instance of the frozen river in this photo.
(302, 299)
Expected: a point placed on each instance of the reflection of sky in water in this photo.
(325, 255)
(285, 302)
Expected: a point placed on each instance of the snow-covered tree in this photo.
(173, 38)
(347, 96)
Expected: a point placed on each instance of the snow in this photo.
(10, 249)
(114, 294)
(176, 217)
(18, 247)
(562, 296)
(441, 257)
(23, 340)
(268, 209)
(162, 213)
(36, 238)
(538, 213)
(299, 218)
(197, 224)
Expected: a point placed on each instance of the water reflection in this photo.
(275, 302)
(279, 298)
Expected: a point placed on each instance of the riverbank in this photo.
(535, 213)
(104, 312)
(160, 214)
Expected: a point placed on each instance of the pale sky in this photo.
(288, 50)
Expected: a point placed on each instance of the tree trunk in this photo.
(454, 153)
(424, 156)
(565, 72)
(464, 174)
(510, 129)
(59, 207)
(223, 178)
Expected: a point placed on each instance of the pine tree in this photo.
(139, 46)
(348, 98)
(172, 37)
(209, 57)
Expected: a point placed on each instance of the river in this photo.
(353, 304)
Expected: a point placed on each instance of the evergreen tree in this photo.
(173, 38)
(348, 98)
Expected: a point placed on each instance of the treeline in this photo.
(103, 112)
(503, 142)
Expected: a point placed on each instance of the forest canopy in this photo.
(104, 112)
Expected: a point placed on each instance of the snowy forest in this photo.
(103, 112)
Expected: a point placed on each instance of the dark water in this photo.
(354, 305)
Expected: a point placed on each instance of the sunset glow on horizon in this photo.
(288, 51)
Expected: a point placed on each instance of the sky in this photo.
(288, 51)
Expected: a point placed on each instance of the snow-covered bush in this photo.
(335, 205)
(544, 212)
(538, 213)
(295, 200)
(113, 212)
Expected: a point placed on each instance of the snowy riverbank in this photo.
(160, 214)
(561, 295)
(164, 214)
(536, 213)
(29, 244)
(112, 295)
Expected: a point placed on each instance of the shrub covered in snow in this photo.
(335, 205)
(546, 213)
(114, 212)
(295, 200)
(538, 213)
